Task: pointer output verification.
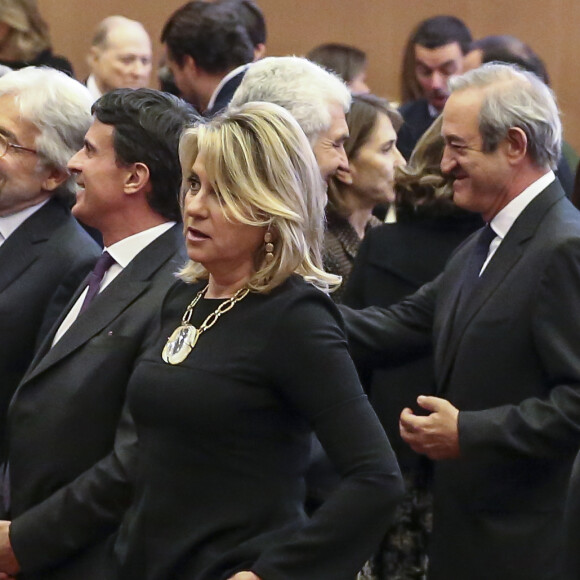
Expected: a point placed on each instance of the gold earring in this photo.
(269, 247)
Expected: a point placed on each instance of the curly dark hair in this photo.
(421, 190)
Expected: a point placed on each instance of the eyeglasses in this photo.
(5, 145)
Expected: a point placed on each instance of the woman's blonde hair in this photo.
(262, 167)
(30, 34)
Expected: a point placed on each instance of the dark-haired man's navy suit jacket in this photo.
(63, 419)
(510, 362)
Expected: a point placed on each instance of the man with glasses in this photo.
(67, 468)
(44, 115)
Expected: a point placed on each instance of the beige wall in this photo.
(380, 27)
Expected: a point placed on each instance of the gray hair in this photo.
(299, 86)
(59, 107)
(104, 28)
(515, 98)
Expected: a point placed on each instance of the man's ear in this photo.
(344, 175)
(56, 176)
(259, 51)
(92, 56)
(189, 65)
(137, 178)
(517, 144)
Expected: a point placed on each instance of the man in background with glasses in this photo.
(44, 115)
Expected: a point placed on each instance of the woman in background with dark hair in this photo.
(24, 38)
(348, 62)
(372, 154)
(394, 260)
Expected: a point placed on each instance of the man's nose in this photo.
(73, 163)
(447, 161)
(438, 81)
(343, 159)
(139, 68)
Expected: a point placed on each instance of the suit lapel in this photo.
(105, 308)
(46, 343)
(23, 247)
(506, 257)
(116, 298)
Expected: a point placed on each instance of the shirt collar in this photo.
(432, 111)
(126, 249)
(505, 219)
(93, 88)
(227, 78)
(10, 223)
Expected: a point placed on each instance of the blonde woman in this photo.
(255, 360)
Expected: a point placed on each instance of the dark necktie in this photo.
(96, 277)
(475, 263)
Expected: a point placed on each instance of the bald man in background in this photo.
(120, 56)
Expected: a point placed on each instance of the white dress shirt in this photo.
(504, 220)
(10, 223)
(93, 88)
(123, 252)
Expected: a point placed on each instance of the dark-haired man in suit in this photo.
(64, 415)
(504, 424)
(439, 45)
(208, 47)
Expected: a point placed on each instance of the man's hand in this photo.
(435, 435)
(8, 563)
(243, 576)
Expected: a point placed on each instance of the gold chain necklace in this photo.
(185, 336)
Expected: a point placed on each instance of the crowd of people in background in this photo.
(259, 323)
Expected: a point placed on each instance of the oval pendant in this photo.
(180, 344)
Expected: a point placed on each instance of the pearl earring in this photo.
(269, 246)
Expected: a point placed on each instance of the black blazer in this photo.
(393, 261)
(63, 419)
(417, 119)
(509, 361)
(48, 254)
